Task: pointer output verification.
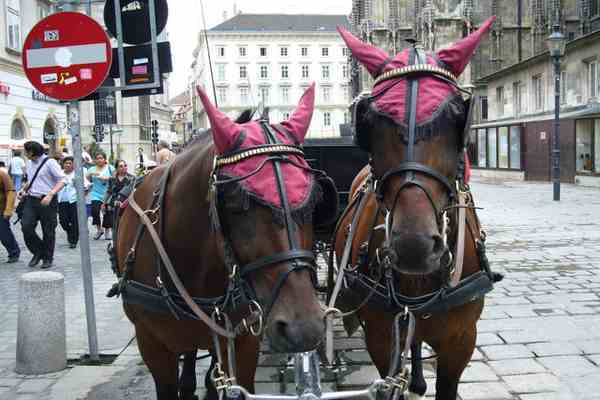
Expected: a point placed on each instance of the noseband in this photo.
(295, 257)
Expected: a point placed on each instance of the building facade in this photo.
(25, 113)
(269, 60)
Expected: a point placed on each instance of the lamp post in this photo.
(110, 103)
(556, 45)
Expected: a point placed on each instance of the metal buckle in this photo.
(256, 331)
(151, 214)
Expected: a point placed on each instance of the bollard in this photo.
(41, 331)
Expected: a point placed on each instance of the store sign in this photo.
(35, 95)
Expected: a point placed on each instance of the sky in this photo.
(185, 21)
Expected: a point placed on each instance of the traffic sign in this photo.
(67, 56)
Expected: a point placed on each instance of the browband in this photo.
(257, 151)
(414, 70)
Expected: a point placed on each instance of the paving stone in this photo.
(553, 349)
(484, 391)
(505, 351)
(34, 385)
(548, 396)
(589, 346)
(516, 366)
(569, 365)
(486, 338)
(478, 372)
(532, 383)
(363, 376)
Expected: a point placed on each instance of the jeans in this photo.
(67, 216)
(8, 239)
(17, 179)
(46, 215)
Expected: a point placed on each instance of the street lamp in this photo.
(110, 103)
(556, 45)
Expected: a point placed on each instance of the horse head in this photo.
(264, 197)
(412, 125)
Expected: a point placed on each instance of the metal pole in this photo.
(110, 133)
(84, 237)
(556, 133)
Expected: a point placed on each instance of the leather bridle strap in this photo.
(276, 259)
(415, 167)
(173, 275)
(460, 241)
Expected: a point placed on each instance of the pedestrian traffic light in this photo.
(98, 134)
(154, 131)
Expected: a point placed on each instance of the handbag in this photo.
(21, 207)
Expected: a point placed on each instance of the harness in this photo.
(379, 290)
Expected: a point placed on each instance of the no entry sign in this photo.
(67, 56)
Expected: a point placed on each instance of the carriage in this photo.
(215, 250)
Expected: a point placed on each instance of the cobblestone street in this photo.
(539, 338)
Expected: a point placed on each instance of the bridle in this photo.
(296, 258)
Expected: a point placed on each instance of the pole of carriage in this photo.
(82, 221)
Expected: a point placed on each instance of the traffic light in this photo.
(154, 131)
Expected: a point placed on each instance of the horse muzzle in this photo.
(416, 254)
(296, 334)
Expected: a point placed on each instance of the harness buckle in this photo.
(151, 214)
(256, 327)
(159, 282)
(233, 271)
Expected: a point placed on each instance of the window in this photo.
(482, 145)
(515, 147)
(243, 51)
(13, 24)
(221, 72)
(305, 72)
(243, 72)
(264, 72)
(285, 95)
(244, 99)
(344, 71)
(264, 95)
(594, 7)
(503, 147)
(563, 87)
(484, 108)
(345, 51)
(221, 51)
(284, 51)
(325, 51)
(538, 100)
(222, 95)
(346, 117)
(492, 148)
(327, 119)
(262, 51)
(285, 116)
(587, 146)
(592, 79)
(517, 99)
(325, 72)
(500, 100)
(326, 94)
(17, 130)
(304, 51)
(285, 72)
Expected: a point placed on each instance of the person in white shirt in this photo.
(67, 202)
(41, 203)
(17, 169)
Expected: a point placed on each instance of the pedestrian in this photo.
(87, 158)
(99, 176)
(16, 169)
(67, 202)
(164, 154)
(141, 165)
(65, 153)
(41, 204)
(112, 201)
(7, 205)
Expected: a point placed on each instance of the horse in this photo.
(245, 263)
(409, 246)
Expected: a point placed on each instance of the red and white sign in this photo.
(67, 56)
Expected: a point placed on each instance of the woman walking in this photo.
(99, 175)
(112, 202)
(67, 203)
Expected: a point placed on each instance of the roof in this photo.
(282, 23)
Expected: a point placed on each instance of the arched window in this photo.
(17, 130)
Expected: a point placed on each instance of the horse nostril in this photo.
(281, 328)
(438, 244)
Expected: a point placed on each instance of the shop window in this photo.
(17, 130)
(492, 148)
(481, 144)
(584, 146)
(515, 147)
(503, 147)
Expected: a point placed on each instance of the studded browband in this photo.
(415, 69)
(258, 151)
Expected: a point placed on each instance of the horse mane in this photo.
(205, 136)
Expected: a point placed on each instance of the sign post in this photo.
(67, 56)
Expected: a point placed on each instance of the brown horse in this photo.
(282, 286)
(403, 240)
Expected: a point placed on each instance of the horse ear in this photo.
(457, 56)
(299, 121)
(368, 55)
(224, 130)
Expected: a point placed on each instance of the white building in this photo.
(270, 59)
(25, 114)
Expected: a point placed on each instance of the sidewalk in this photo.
(539, 338)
